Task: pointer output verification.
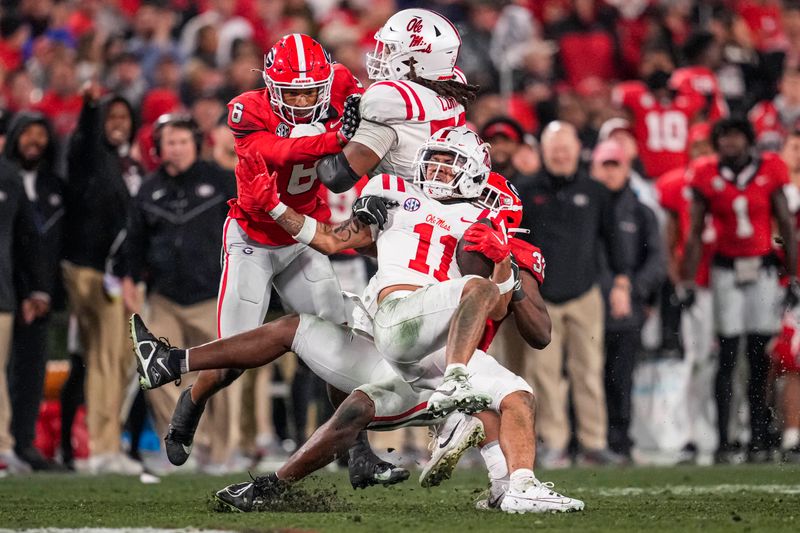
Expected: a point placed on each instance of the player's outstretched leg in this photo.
(220, 362)
(332, 439)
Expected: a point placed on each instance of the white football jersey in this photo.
(418, 243)
(414, 112)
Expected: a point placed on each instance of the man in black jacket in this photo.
(101, 178)
(623, 332)
(20, 251)
(174, 236)
(569, 215)
(31, 149)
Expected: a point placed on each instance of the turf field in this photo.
(740, 498)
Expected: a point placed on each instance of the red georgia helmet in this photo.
(298, 62)
(501, 198)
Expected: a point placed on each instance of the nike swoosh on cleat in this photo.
(186, 449)
(445, 443)
(162, 365)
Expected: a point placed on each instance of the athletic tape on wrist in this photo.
(308, 231)
(507, 285)
(278, 210)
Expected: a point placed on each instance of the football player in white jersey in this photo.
(418, 91)
(420, 303)
(388, 403)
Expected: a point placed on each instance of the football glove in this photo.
(351, 117)
(372, 210)
(487, 241)
(251, 170)
(792, 296)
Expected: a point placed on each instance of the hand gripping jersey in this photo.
(661, 128)
(418, 243)
(257, 128)
(414, 113)
(741, 205)
(674, 194)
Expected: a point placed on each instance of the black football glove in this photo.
(372, 210)
(686, 296)
(792, 296)
(518, 293)
(351, 116)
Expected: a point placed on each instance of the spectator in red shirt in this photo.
(13, 35)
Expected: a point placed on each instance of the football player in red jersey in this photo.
(307, 110)
(743, 191)
(703, 55)
(660, 118)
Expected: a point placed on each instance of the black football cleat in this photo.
(367, 469)
(180, 435)
(250, 495)
(151, 356)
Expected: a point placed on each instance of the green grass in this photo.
(741, 498)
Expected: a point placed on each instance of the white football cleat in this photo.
(456, 393)
(457, 434)
(533, 496)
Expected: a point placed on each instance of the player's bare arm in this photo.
(530, 313)
(693, 251)
(785, 223)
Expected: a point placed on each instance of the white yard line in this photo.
(689, 490)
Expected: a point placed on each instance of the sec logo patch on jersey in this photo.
(411, 204)
(282, 130)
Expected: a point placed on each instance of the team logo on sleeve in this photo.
(282, 130)
(411, 204)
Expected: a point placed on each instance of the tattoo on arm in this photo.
(291, 221)
(347, 229)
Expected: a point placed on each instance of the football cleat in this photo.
(457, 434)
(180, 435)
(250, 495)
(533, 496)
(492, 499)
(367, 469)
(455, 393)
(151, 356)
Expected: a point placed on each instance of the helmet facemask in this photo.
(445, 172)
(295, 115)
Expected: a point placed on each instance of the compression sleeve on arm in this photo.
(379, 138)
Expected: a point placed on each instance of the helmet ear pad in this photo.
(180, 121)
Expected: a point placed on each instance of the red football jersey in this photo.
(674, 194)
(702, 82)
(661, 128)
(257, 129)
(528, 257)
(742, 213)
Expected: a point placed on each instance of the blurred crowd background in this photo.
(83, 83)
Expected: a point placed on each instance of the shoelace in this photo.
(170, 347)
(550, 485)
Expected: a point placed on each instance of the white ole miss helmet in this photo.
(424, 36)
(470, 164)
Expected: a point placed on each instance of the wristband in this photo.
(279, 209)
(507, 285)
(308, 230)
